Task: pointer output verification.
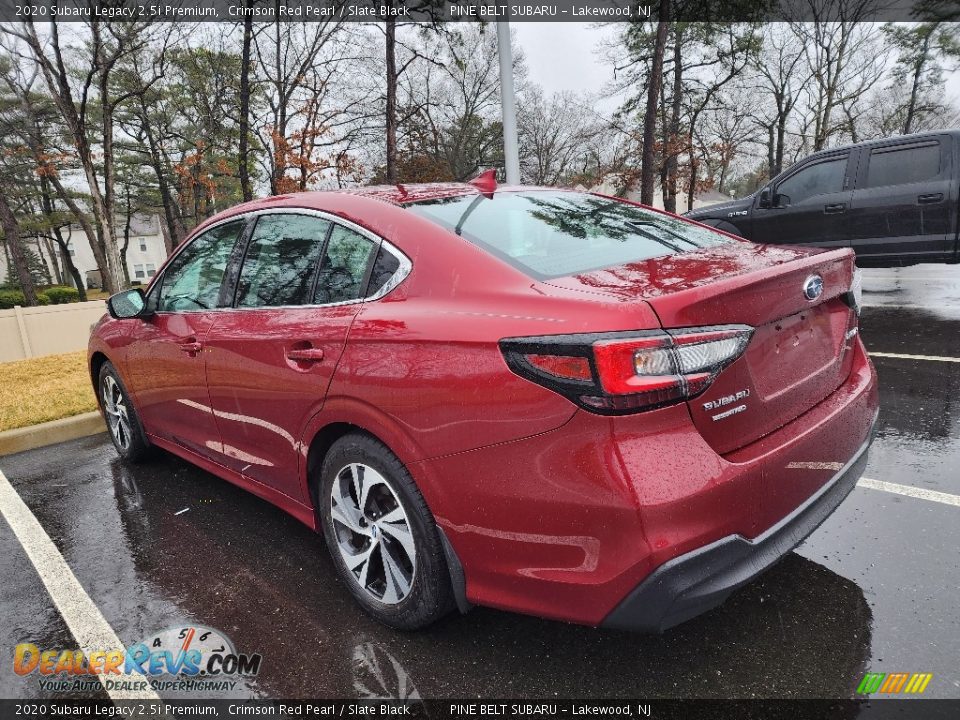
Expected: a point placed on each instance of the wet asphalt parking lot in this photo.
(873, 589)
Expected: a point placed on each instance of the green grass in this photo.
(43, 389)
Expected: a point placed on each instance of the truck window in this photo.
(817, 179)
(903, 165)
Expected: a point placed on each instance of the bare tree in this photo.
(553, 133)
(842, 54)
(779, 74)
(79, 80)
(294, 64)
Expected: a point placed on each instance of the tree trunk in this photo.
(174, 224)
(126, 241)
(391, 47)
(54, 260)
(78, 282)
(107, 219)
(11, 229)
(672, 150)
(83, 220)
(168, 243)
(781, 141)
(244, 155)
(58, 82)
(647, 170)
(692, 190)
(280, 117)
(47, 258)
(771, 151)
(915, 88)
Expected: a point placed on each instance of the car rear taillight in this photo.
(614, 373)
(854, 296)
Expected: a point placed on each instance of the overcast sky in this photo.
(562, 56)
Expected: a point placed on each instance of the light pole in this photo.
(511, 153)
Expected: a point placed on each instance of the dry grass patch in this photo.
(42, 389)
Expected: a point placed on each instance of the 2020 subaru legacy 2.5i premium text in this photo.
(547, 401)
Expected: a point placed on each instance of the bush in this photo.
(62, 294)
(9, 298)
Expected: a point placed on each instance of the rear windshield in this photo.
(553, 234)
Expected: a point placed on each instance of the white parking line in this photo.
(910, 491)
(908, 306)
(902, 356)
(90, 629)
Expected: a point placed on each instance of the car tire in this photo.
(121, 416)
(381, 535)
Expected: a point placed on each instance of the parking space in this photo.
(874, 589)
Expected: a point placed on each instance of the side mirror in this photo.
(780, 200)
(764, 201)
(127, 304)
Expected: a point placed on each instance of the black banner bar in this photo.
(475, 10)
(529, 709)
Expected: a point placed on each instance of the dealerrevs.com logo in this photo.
(195, 657)
(894, 683)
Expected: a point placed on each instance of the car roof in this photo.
(399, 194)
(356, 204)
(913, 137)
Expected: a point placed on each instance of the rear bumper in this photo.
(570, 524)
(700, 580)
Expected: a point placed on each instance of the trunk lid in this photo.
(799, 352)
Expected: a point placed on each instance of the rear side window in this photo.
(193, 278)
(903, 165)
(553, 234)
(278, 268)
(343, 270)
(384, 268)
(819, 179)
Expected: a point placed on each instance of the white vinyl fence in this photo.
(27, 332)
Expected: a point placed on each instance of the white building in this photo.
(145, 253)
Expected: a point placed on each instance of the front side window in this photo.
(818, 179)
(903, 165)
(193, 278)
(279, 265)
(552, 234)
(343, 271)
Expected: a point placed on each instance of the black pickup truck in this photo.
(894, 201)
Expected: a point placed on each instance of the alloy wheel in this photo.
(373, 533)
(115, 407)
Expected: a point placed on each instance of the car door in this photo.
(901, 206)
(808, 206)
(165, 365)
(272, 357)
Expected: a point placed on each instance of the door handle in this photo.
(835, 208)
(305, 354)
(929, 198)
(191, 347)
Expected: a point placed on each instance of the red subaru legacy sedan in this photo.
(546, 401)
